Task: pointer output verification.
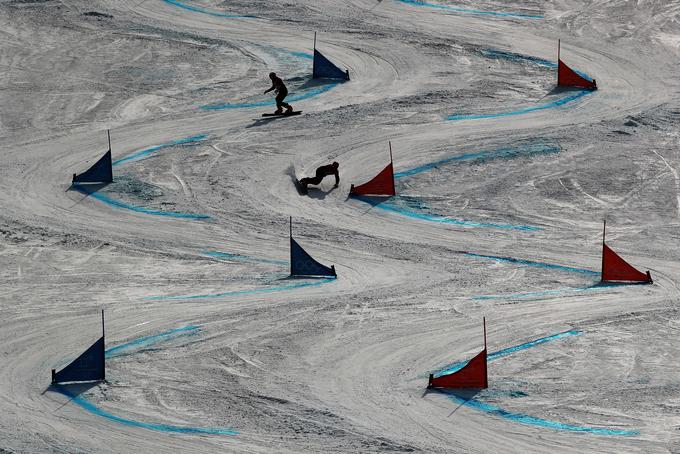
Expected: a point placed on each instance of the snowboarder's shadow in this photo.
(263, 121)
(316, 193)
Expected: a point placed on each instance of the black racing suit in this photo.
(281, 93)
(321, 173)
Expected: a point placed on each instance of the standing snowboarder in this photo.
(281, 93)
(321, 173)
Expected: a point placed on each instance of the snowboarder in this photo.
(281, 93)
(321, 173)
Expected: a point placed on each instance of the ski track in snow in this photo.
(393, 208)
(518, 417)
(539, 422)
(146, 342)
(495, 54)
(534, 264)
(254, 291)
(538, 293)
(96, 194)
(248, 292)
(243, 258)
(156, 148)
(198, 9)
(451, 368)
(525, 110)
(138, 209)
(138, 345)
(471, 11)
(483, 156)
(504, 55)
(304, 366)
(169, 428)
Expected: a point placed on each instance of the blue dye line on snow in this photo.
(305, 55)
(503, 55)
(278, 288)
(471, 11)
(549, 266)
(500, 54)
(533, 343)
(530, 150)
(144, 342)
(247, 105)
(497, 393)
(446, 220)
(118, 204)
(148, 341)
(550, 105)
(148, 151)
(531, 420)
(243, 258)
(89, 406)
(539, 293)
(451, 368)
(536, 294)
(139, 155)
(519, 417)
(511, 56)
(198, 9)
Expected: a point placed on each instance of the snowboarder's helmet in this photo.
(272, 75)
(335, 164)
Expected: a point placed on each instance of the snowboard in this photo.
(295, 112)
(300, 187)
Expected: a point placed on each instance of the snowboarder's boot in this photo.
(289, 109)
(278, 111)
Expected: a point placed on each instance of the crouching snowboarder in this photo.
(321, 173)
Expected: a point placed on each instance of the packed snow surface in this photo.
(502, 179)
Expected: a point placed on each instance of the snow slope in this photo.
(503, 182)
